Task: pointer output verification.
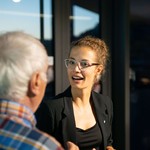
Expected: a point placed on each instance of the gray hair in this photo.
(21, 55)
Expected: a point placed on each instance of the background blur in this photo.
(124, 25)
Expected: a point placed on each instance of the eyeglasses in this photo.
(71, 64)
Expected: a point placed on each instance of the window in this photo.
(33, 17)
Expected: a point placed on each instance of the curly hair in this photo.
(97, 45)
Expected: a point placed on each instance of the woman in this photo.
(79, 114)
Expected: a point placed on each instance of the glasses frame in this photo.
(79, 66)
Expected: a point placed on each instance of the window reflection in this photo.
(85, 19)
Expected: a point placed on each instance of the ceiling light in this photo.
(16, 1)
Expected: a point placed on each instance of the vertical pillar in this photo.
(62, 42)
(120, 74)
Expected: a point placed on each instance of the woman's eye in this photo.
(71, 62)
(84, 64)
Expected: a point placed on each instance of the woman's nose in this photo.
(77, 67)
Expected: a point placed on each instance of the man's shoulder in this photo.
(26, 136)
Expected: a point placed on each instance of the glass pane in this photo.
(140, 74)
(33, 17)
(22, 15)
(47, 19)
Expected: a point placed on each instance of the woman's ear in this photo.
(34, 84)
(99, 69)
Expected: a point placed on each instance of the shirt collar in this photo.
(18, 112)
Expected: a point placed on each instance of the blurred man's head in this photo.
(23, 69)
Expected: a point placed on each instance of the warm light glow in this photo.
(145, 80)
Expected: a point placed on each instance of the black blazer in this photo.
(56, 117)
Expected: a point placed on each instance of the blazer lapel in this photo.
(68, 122)
(100, 110)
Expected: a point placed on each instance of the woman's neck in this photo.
(81, 97)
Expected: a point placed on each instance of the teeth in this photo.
(77, 78)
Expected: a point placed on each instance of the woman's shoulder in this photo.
(102, 98)
(58, 99)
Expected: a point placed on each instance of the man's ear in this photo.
(34, 84)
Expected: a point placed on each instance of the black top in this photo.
(90, 138)
(56, 117)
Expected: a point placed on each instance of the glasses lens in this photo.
(70, 63)
(84, 64)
